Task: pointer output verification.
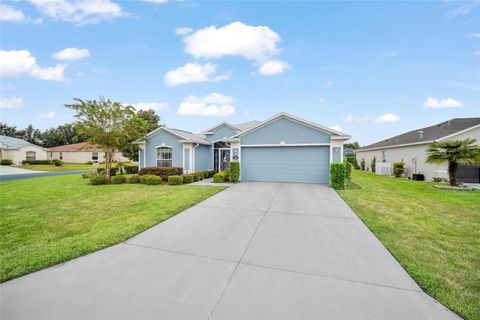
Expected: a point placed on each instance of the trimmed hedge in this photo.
(33, 162)
(234, 172)
(150, 179)
(175, 180)
(98, 180)
(188, 178)
(348, 170)
(119, 179)
(131, 169)
(221, 177)
(57, 163)
(113, 171)
(6, 162)
(338, 175)
(134, 178)
(209, 174)
(162, 172)
(398, 169)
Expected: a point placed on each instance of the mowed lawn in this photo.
(45, 221)
(64, 167)
(434, 234)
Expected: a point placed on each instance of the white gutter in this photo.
(193, 157)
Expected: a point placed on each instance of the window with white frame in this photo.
(164, 157)
(30, 155)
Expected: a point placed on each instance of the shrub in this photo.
(99, 180)
(348, 170)
(221, 177)
(188, 178)
(374, 164)
(175, 180)
(131, 169)
(113, 171)
(57, 163)
(89, 174)
(234, 171)
(196, 176)
(89, 162)
(33, 162)
(362, 164)
(338, 175)
(134, 178)
(119, 179)
(398, 169)
(162, 172)
(150, 179)
(211, 173)
(6, 162)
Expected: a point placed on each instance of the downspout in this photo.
(193, 156)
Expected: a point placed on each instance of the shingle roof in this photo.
(427, 134)
(195, 137)
(246, 125)
(82, 146)
(13, 143)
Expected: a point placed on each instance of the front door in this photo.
(224, 159)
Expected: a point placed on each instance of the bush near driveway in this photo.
(434, 234)
(49, 220)
(338, 175)
(220, 177)
(234, 172)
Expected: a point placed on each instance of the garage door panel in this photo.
(289, 164)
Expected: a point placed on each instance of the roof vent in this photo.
(420, 134)
(449, 122)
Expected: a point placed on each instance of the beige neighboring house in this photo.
(81, 153)
(411, 148)
(16, 149)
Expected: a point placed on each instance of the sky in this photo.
(369, 69)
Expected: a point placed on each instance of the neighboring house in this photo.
(281, 148)
(81, 153)
(17, 150)
(411, 147)
(349, 152)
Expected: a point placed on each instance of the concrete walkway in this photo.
(255, 250)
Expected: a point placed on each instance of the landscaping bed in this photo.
(45, 221)
(433, 233)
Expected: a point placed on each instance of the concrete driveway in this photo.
(255, 250)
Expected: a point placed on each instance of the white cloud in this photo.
(79, 11)
(386, 118)
(47, 115)
(388, 54)
(183, 31)
(157, 106)
(11, 103)
(156, 1)
(14, 64)
(336, 127)
(351, 118)
(71, 54)
(10, 14)
(193, 72)
(214, 104)
(257, 43)
(329, 84)
(272, 67)
(435, 103)
(473, 35)
(462, 8)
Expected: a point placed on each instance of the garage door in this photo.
(285, 164)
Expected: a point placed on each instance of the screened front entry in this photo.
(221, 156)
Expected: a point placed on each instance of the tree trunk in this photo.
(108, 161)
(452, 172)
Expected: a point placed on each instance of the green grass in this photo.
(434, 234)
(48, 220)
(64, 167)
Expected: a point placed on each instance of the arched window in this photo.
(164, 157)
(30, 155)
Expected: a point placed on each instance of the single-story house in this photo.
(16, 149)
(282, 148)
(411, 148)
(81, 153)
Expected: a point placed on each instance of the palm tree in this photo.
(454, 152)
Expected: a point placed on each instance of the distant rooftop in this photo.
(13, 143)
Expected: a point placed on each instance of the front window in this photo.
(94, 156)
(30, 155)
(164, 157)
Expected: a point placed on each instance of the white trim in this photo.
(194, 152)
(163, 145)
(340, 137)
(295, 119)
(285, 145)
(224, 123)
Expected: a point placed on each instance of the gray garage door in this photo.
(285, 164)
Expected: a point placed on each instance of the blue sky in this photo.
(370, 69)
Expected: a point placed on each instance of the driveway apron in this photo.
(255, 250)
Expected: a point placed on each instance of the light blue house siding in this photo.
(203, 158)
(285, 130)
(220, 133)
(140, 158)
(169, 140)
(336, 156)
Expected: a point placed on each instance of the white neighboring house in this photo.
(411, 148)
(81, 153)
(16, 149)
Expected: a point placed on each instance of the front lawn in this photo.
(45, 221)
(434, 234)
(51, 167)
